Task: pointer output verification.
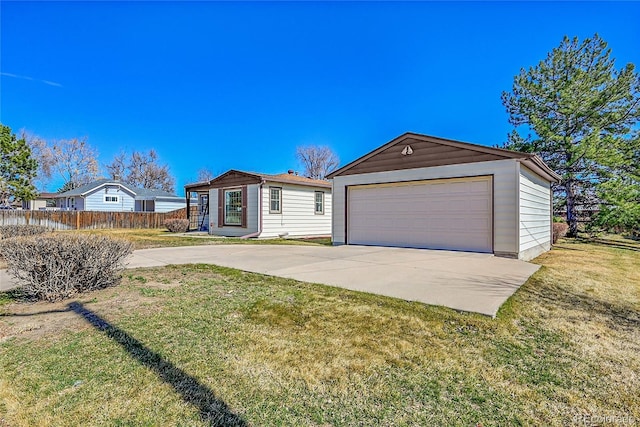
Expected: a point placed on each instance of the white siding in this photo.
(535, 214)
(95, 201)
(505, 192)
(34, 205)
(297, 217)
(252, 214)
(169, 206)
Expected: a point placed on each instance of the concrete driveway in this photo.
(460, 280)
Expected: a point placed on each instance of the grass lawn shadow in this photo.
(616, 314)
(212, 410)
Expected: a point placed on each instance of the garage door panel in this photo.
(444, 214)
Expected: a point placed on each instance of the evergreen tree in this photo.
(17, 168)
(620, 195)
(581, 111)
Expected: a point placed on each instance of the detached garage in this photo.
(419, 191)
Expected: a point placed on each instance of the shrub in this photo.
(8, 231)
(56, 266)
(177, 225)
(559, 230)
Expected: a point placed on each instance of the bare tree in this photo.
(117, 169)
(205, 174)
(43, 155)
(141, 169)
(74, 160)
(318, 160)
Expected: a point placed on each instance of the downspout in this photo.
(257, 233)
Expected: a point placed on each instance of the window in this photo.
(111, 199)
(233, 207)
(319, 203)
(275, 200)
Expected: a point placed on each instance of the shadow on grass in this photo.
(618, 315)
(212, 410)
(609, 243)
(37, 313)
(567, 248)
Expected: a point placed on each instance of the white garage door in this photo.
(453, 214)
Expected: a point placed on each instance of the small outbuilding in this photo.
(420, 191)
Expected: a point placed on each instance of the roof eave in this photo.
(230, 171)
(104, 184)
(202, 185)
(537, 165)
(508, 154)
(304, 184)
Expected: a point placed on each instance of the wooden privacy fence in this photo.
(69, 220)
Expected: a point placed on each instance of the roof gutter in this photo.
(257, 233)
(537, 165)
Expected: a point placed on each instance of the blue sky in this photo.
(239, 85)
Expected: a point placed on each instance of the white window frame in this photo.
(315, 203)
(110, 196)
(226, 207)
(271, 200)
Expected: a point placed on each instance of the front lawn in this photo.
(157, 238)
(202, 345)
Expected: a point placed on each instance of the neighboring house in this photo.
(425, 192)
(244, 204)
(116, 196)
(41, 202)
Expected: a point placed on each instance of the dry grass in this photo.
(272, 351)
(157, 238)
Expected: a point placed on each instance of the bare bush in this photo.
(8, 231)
(559, 230)
(177, 225)
(58, 266)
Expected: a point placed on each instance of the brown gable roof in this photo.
(430, 151)
(234, 178)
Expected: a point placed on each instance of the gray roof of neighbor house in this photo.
(43, 196)
(139, 193)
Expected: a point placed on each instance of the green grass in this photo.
(186, 341)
